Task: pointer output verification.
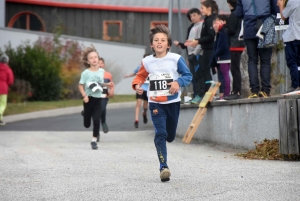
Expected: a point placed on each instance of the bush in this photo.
(39, 67)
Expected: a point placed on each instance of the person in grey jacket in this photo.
(250, 11)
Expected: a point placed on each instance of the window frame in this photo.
(106, 23)
(27, 13)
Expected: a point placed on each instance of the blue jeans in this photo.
(165, 119)
(265, 66)
(292, 56)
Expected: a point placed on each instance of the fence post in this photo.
(288, 126)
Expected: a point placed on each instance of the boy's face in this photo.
(93, 59)
(101, 64)
(195, 17)
(160, 43)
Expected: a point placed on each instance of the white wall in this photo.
(127, 57)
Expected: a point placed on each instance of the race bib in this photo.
(159, 84)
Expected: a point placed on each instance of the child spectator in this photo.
(140, 98)
(106, 94)
(194, 53)
(6, 79)
(221, 56)
(90, 87)
(291, 39)
(209, 9)
(233, 28)
(167, 73)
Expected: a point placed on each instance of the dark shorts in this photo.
(143, 96)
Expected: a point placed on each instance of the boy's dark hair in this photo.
(101, 59)
(223, 18)
(192, 10)
(232, 3)
(160, 29)
(211, 4)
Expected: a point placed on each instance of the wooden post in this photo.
(283, 139)
(288, 126)
(292, 122)
(209, 95)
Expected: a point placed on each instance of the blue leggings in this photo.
(165, 119)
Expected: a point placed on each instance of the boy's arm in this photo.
(140, 77)
(111, 91)
(186, 75)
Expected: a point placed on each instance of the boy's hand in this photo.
(138, 89)
(192, 43)
(176, 42)
(174, 87)
(111, 84)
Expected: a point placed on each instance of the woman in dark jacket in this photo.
(209, 9)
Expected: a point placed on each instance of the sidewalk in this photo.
(61, 111)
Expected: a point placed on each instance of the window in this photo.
(112, 30)
(27, 20)
(155, 23)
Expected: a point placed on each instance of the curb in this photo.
(60, 112)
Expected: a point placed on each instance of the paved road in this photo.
(118, 119)
(51, 159)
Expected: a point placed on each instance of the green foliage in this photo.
(38, 67)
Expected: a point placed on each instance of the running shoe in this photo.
(165, 174)
(105, 128)
(94, 145)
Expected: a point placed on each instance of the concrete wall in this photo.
(236, 123)
(123, 56)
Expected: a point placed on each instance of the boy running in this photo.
(167, 73)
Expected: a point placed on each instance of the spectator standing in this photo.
(221, 56)
(194, 53)
(253, 11)
(209, 9)
(233, 28)
(291, 39)
(6, 79)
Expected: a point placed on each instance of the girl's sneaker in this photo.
(2, 123)
(94, 145)
(136, 124)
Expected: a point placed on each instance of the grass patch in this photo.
(267, 150)
(19, 108)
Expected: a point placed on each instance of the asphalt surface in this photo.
(60, 165)
(118, 119)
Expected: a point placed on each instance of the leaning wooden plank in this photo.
(283, 137)
(293, 144)
(194, 128)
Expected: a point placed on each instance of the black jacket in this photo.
(207, 33)
(233, 28)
